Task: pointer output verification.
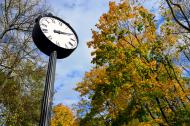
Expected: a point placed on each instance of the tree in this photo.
(21, 105)
(22, 68)
(177, 11)
(180, 12)
(17, 20)
(62, 116)
(135, 80)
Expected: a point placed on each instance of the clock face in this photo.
(58, 32)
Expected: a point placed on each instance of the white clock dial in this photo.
(58, 32)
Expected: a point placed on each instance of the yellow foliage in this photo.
(62, 116)
(131, 67)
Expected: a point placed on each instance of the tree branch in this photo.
(175, 18)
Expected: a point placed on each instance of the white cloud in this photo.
(82, 15)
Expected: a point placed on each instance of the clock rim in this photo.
(67, 24)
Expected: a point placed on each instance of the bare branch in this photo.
(175, 18)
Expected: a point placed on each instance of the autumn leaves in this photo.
(134, 80)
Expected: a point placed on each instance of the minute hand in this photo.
(65, 33)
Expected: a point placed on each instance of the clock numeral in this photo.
(47, 21)
(57, 43)
(49, 37)
(53, 21)
(60, 23)
(72, 39)
(45, 30)
(44, 25)
(66, 46)
(71, 44)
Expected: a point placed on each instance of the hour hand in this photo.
(57, 31)
(65, 33)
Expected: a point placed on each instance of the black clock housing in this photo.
(45, 45)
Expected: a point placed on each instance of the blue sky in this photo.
(82, 15)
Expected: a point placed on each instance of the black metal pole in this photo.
(45, 116)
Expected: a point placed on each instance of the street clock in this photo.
(57, 39)
(51, 33)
